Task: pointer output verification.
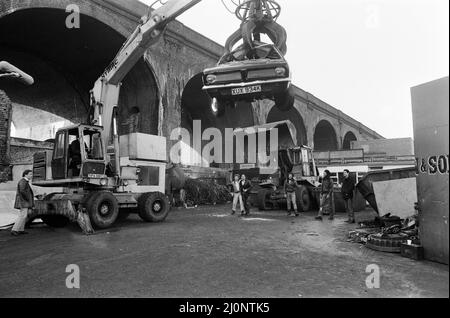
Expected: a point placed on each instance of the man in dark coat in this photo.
(290, 186)
(348, 188)
(24, 202)
(326, 196)
(245, 185)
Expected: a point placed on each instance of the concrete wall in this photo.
(392, 147)
(22, 150)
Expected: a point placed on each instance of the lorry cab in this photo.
(303, 164)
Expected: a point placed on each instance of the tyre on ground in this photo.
(153, 207)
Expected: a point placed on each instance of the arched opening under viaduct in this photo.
(349, 137)
(196, 105)
(325, 138)
(65, 64)
(294, 116)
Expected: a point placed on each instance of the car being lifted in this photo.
(247, 75)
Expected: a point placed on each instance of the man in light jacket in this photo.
(24, 202)
(237, 196)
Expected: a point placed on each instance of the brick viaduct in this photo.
(162, 88)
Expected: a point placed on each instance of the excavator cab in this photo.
(78, 153)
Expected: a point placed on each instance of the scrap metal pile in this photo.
(200, 192)
(386, 233)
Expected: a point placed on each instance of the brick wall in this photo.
(5, 113)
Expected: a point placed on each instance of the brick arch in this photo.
(348, 138)
(87, 8)
(69, 61)
(325, 136)
(295, 117)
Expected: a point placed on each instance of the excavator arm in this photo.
(10, 71)
(105, 94)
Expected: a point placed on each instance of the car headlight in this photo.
(211, 78)
(215, 105)
(103, 182)
(280, 71)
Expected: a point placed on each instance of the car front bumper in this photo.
(269, 88)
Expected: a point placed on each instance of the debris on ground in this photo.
(360, 235)
(386, 233)
(201, 192)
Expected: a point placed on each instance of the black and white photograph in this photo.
(224, 155)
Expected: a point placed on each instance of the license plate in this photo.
(96, 176)
(246, 90)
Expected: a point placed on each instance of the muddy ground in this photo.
(206, 252)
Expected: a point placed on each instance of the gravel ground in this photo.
(206, 252)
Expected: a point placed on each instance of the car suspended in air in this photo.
(245, 74)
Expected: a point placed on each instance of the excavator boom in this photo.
(144, 36)
(105, 94)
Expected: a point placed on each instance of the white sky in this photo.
(360, 56)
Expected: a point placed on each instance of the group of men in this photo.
(241, 192)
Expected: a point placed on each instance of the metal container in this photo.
(430, 105)
(365, 186)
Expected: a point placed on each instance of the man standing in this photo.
(245, 186)
(237, 196)
(326, 196)
(24, 202)
(348, 187)
(290, 185)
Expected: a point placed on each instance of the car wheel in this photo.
(103, 209)
(285, 101)
(153, 207)
(218, 107)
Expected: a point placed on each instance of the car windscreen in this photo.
(265, 52)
